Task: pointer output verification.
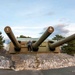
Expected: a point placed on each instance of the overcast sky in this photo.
(32, 17)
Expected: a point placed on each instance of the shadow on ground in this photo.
(62, 71)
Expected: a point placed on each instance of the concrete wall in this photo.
(24, 49)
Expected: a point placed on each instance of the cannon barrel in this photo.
(10, 34)
(68, 39)
(35, 45)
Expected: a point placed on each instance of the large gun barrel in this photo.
(10, 34)
(42, 38)
(68, 39)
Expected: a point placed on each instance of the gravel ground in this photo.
(39, 61)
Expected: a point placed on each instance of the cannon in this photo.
(42, 44)
(42, 38)
(10, 34)
(53, 45)
(20, 46)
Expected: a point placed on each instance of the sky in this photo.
(32, 17)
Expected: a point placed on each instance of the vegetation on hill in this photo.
(1, 40)
(22, 36)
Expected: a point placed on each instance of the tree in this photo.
(1, 41)
(22, 36)
(69, 48)
(58, 37)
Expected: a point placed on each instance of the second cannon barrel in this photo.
(35, 45)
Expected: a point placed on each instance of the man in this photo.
(29, 45)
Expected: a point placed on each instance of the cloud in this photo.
(23, 27)
(60, 29)
(27, 31)
(34, 31)
(71, 29)
(50, 13)
(64, 30)
(32, 12)
(62, 19)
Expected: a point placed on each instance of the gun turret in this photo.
(54, 45)
(10, 34)
(42, 38)
(37, 45)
